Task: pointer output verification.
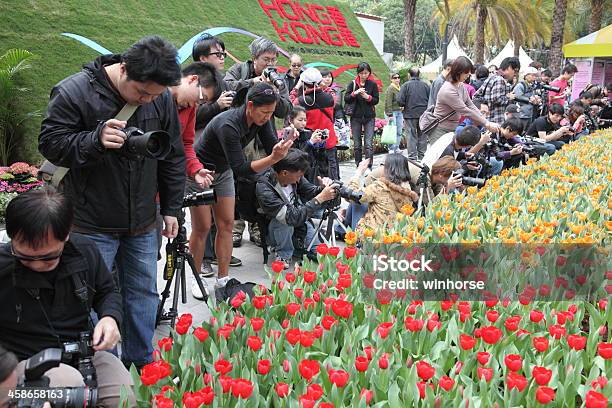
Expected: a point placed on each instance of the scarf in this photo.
(396, 87)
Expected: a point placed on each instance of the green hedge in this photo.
(37, 26)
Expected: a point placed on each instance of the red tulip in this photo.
(317, 331)
(290, 277)
(322, 249)
(278, 266)
(483, 357)
(282, 389)
(514, 380)
(242, 388)
(223, 366)
(333, 251)
(293, 336)
(326, 405)
(383, 329)
(338, 377)
(536, 316)
(413, 324)
(306, 402)
(512, 323)
(514, 362)
(540, 344)
(605, 350)
(263, 366)
(603, 303)
(293, 308)
(254, 343)
(595, 400)
(383, 362)
(328, 321)
(433, 325)
(153, 372)
(600, 382)
(201, 334)
(367, 394)
(541, 375)
(165, 344)
(467, 342)
(306, 338)
(545, 395)
(350, 252)
(184, 323)
(556, 331)
(342, 308)
(259, 302)
(422, 386)
(576, 342)
(309, 369)
(446, 383)
(424, 370)
(369, 351)
(226, 383)
(237, 301)
(309, 276)
(257, 323)
(314, 391)
(286, 366)
(164, 402)
(492, 315)
(486, 373)
(490, 334)
(361, 363)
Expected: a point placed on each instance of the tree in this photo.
(556, 39)
(409, 14)
(597, 10)
(479, 41)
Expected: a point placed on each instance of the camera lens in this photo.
(153, 145)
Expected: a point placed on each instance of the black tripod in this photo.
(177, 252)
(330, 218)
(423, 184)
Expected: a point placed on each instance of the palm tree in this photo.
(12, 63)
(409, 13)
(497, 20)
(597, 9)
(556, 39)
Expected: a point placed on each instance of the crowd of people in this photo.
(267, 145)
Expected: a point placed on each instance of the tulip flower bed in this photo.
(313, 340)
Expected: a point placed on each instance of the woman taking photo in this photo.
(360, 100)
(386, 195)
(221, 146)
(454, 102)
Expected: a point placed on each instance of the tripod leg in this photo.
(316, 233)
(164, 296)
(178, 273)
(196, 276)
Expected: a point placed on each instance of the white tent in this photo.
(508, 51)
(453, 51)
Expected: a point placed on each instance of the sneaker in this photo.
(195, 289)
(221, 282)
(233, 261)
(236, 240)
(256, 240)
(207, 270)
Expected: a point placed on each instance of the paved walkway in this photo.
(252, 269)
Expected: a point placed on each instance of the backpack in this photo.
(232, 288)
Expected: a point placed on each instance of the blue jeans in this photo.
(496, 166)
(280, 238)
(398, 118)
(354, 213)
(557, 143)
(136, 260)
(417, 141)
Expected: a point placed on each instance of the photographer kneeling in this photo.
(49, 282)
(509, 145)
(289, 200)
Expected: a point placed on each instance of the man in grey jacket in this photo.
(437, 83)
(413, 97)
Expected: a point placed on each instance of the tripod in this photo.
(423, 184)
(177, 252)
(330, 218)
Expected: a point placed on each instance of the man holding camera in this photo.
(49, 282)
(289, 200)
(525, 95)
(113, 188)
(496, 90)
(562, 82)
(548, 128)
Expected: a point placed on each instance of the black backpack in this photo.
(232, 288)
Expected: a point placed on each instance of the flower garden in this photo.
(314, 340)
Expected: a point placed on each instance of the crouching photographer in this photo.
(289, 200)
(508, 147)
(49, 283)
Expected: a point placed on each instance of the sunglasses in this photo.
(218, 54)
(395, 77)
(44, 258)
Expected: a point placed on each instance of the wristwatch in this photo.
(316, 201)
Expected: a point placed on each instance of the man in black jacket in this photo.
(49, 282)
(289, 200)
(413, 97)
(114, 193)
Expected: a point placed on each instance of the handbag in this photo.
(389, 133)
(428, 120)
(349, 107)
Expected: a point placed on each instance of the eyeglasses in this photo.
(218, 54)
(45, 258)
(269, 61)
(296, 65)
(395, 77)
(203, 98)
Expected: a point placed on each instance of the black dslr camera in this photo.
(272, 74)
(343, 192)
(33, 387)
(206, 197)
(153, 145)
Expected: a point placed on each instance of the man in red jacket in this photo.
(199, 84)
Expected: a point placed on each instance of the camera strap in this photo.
(60, 172)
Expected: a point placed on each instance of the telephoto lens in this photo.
(272, 74)
(153, 145)
(206, 197)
